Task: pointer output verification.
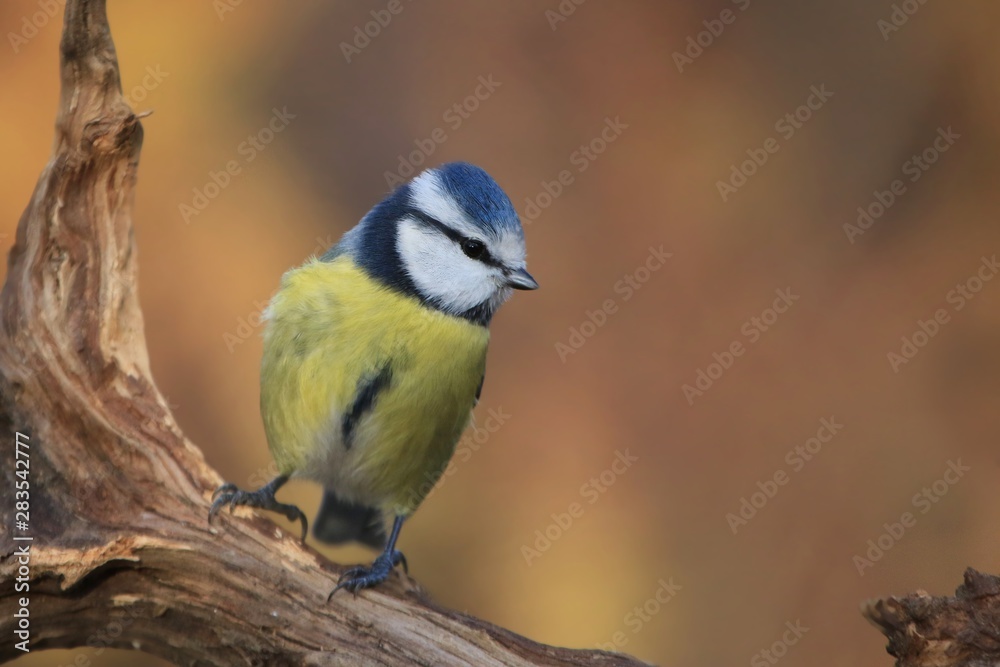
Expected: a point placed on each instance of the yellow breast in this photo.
(329, 327)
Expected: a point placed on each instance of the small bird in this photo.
(375, 355)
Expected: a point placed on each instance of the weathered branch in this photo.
(121, 554)
(960, 631)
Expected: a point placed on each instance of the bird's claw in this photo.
(228, 487)
(360, 576)
(262, 498)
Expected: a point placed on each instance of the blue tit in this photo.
(375, 354)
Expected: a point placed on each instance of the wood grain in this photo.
(122, 553)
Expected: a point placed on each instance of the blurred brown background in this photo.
(213, 78)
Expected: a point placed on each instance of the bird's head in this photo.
(450, 237)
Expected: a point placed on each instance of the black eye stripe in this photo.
(441, 227)
(485, 258)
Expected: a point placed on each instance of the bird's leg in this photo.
(262, 498)
(365, 577)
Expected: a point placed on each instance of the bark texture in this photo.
(121, 554)
(959, 631)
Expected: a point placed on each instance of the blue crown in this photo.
(480, 196)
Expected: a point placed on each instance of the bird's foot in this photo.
(263, 498)
(361, 576)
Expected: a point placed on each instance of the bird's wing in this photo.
(479, 390)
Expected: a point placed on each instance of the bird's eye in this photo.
(473, 248)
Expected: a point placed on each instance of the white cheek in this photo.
(441, 271)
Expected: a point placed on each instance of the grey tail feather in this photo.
(339, 521)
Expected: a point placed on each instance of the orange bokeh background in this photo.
(214, 79)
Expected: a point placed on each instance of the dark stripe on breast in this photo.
(368, 390)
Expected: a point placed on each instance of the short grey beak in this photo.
(521, 279)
